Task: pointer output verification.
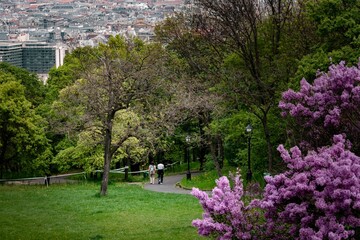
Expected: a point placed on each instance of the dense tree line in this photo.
(209, 73)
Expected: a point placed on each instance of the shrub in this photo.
(319, 197)
(225, 216)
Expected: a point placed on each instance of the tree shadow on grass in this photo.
(97, 237)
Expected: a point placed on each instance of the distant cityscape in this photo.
(36, 34)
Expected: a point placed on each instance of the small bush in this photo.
(225, 216)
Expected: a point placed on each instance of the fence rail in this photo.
(62, 178)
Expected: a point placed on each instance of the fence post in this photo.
(46, 180)
(126, 173)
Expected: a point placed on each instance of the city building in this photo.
(11, 53)
(36, 57)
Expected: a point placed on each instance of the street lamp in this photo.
(248, 131)
(188, 174)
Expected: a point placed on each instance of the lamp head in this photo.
(248, 128)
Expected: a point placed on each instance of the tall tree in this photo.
(253, 35)
(195, 71)
(121, 75)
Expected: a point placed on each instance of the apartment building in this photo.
(11, 53)
(37, 57)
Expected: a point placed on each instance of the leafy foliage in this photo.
(34, 88)
(23, 144)
(337, 29)
(337, 22)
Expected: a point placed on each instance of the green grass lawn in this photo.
(76, 212)
(206, 180)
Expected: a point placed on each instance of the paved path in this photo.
(169, 185)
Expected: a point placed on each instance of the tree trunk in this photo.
(107, 160)
(221, 152)
(3, 149)
(215, 150)
(268, 142)
(202, 145)
(202, 153)
(127, 168)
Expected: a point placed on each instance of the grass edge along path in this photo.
(76, 212)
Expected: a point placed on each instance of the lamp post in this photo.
(188, 174)
(248, 130)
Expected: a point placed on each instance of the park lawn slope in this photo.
(76, 212)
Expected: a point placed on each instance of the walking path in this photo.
(169, 185)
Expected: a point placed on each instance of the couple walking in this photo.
(160, 171)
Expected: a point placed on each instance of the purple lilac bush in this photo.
(225, 215)
(328, 106)
(318, 197)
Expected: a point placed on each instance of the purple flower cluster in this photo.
(331, 105)
(319, 197)
(225, 215)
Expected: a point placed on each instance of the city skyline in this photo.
(68, 24)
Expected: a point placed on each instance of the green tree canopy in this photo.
(337, 25)
(34, 88)
(23, 144)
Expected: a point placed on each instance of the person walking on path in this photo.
(160, 171)
(152, 171)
